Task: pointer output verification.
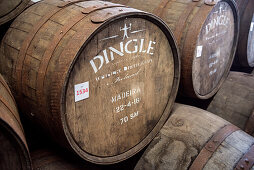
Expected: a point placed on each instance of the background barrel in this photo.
(235, 100)
(186, 136)
(9, 9)
(245, 48)
(48, 159)
(92, 74)
(13, 149)
(206, 33)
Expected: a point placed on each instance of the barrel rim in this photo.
(176, 79)
(235, 11)
(15, 12)
(245, 22)
(22, 149)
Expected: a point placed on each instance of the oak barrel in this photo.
(9, 9)
(196, 139)
(245, 48)
(235, 100)
(206, 33)
(49, 159)
(100, 77)
(14, 152)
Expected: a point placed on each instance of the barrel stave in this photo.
(189, 20)
(53, 56)
(14, 150)
(244, 54)
(10, 9)
(234, 101)
(184, 135)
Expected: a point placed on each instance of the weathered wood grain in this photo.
(14, 152)
(234, 102)
(101, 78)
(245, 48)
(206, 36)
(48, 159)
(184, 135)
(9, 9)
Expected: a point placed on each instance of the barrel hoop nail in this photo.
(211, 146)
(247, 160)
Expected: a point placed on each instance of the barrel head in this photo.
(120, 88)
(214, 50)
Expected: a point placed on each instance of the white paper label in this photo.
(81, 91)
(199, 51)
(251, 26)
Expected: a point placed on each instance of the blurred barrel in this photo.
(9, 9)
(245, 48)
(235, 101)
(206, 33)
(14, 152)
(92, 74)
(195, 139)
(48, 159)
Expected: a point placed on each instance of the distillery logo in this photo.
(108, 54)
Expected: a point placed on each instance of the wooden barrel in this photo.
(206, 33)
(9, 9)
(48, 159)
(100, 77)
(13, 149)
(245, 48)
(235, 101)
(195, 139)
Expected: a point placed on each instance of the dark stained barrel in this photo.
(9, 9)
(101, 78)
(245, 48)
(235, 101)
(206, 33)
(14, 152)
(48, 159)
(195, 139)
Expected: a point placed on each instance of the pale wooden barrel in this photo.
(235, 101)
(245, 48)
(93, 74)
(206, 33)
(196, 139)
(14, 152)
(9, 9)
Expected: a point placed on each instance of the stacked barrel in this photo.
(84, 71)
(13, 150)
(245, 50)
(100, 79)
(9, 9)
(206, 33)
(196, 139)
